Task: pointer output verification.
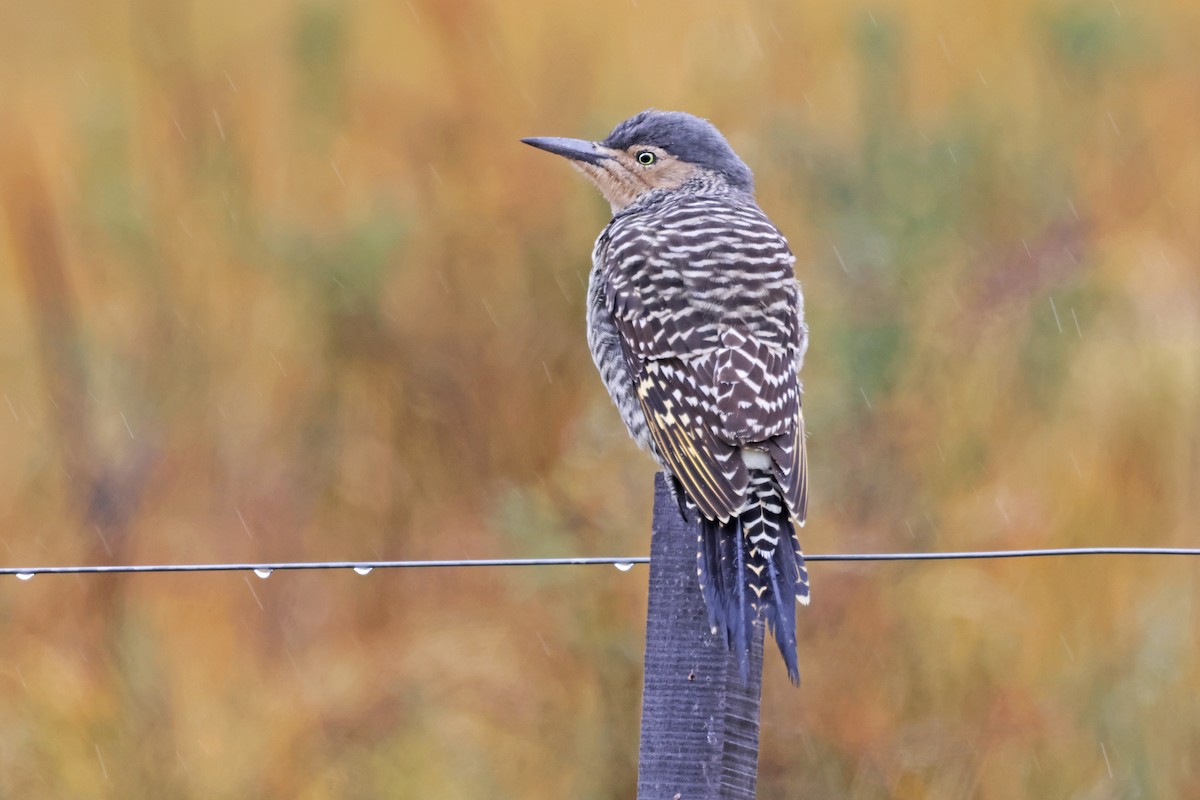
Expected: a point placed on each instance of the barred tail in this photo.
(752, 567)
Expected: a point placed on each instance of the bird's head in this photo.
(654, 151)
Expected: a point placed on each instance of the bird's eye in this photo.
(646, 158)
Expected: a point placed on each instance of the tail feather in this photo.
(751, 567)
(781, 618)
(741, 632)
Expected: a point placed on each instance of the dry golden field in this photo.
(279, 282)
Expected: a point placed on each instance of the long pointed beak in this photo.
(574, 149)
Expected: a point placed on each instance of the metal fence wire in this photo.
(622, 563)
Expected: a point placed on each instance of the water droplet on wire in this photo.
(363, 570)
(263, 573)
(24, 576)
(624, 566)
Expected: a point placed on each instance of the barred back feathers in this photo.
(696, 324)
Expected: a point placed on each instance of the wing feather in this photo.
(703, 297)
(714, 480)
(789, 451)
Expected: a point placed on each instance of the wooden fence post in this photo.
(699, 718)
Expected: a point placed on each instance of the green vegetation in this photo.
(279, 282)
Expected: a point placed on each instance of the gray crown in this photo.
(686, 137)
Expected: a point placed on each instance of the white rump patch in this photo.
(756, 458)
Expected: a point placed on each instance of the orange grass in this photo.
(278, 281)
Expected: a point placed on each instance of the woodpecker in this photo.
(695, 320)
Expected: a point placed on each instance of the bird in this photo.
(695, 320)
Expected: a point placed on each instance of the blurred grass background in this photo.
(278, 282)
